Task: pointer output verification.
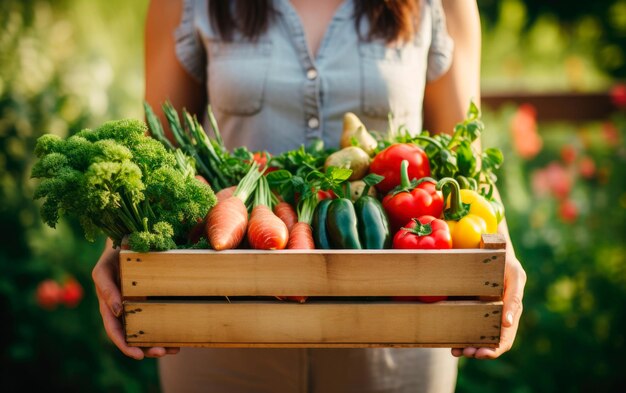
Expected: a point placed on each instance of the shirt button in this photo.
(314, 122)
(311, 74)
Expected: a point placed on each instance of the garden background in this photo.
(69, 64)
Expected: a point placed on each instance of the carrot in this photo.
(301, 237)
(227, 221)
(265, 230)
(285, 212)
(225, 192)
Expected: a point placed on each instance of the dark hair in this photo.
(391, 20)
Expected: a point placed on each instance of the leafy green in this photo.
(118, 181)
(456, 155)
(210, 156)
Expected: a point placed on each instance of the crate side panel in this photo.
(212, 323)
(209, 273)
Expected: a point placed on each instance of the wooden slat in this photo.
(275, 324)
(313, 273)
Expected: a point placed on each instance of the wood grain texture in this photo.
(275, 324)
(162, 308)
(313, 273)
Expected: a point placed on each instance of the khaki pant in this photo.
(397, 370)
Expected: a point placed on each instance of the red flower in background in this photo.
(587, 167)
(554, 179)
(48, 294)
(618, 95)
(526, 139)
(610, 133)
(568, 154)
(568, 211)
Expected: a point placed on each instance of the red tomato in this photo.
(262, 158)
(48, 294)
(321, 195)
(387, 163)
(71, 293)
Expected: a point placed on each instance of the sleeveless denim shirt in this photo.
(274, 95)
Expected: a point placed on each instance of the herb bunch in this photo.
(119, 181)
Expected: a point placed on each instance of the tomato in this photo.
(263, 158)
(321, 195)
(387, 163)
(71, 293)
(48, 294)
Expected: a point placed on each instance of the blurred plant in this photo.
(618, 95)
(52, 80)
(581, 35)
(526, 139)
(566, 211)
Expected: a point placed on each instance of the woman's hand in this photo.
(514, 281)
(106, 277)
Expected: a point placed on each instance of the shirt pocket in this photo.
(237, 75)
(392, 80)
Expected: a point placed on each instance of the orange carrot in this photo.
(227, 221)
(301, 237)
(265, 230)
(285, 212)
(225, 192)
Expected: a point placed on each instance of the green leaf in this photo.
(338, 175)
(492, 158)
(473, 111)
(372, 179)
(466, 161)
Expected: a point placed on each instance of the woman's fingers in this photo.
(514, 282)
(105, 277)
(115, 331)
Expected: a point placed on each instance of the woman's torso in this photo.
(274, 95)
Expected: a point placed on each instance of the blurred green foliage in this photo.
(593, 33)
(66, 65)
(59, 73)
(566, 210)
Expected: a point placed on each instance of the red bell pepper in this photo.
(412, 199)
(425, 232)
(387, 163)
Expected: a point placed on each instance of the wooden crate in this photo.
(226, 298)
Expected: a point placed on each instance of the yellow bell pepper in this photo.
(468, 215)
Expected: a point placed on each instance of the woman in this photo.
(278, 74)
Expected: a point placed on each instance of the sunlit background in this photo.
(553, 78)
